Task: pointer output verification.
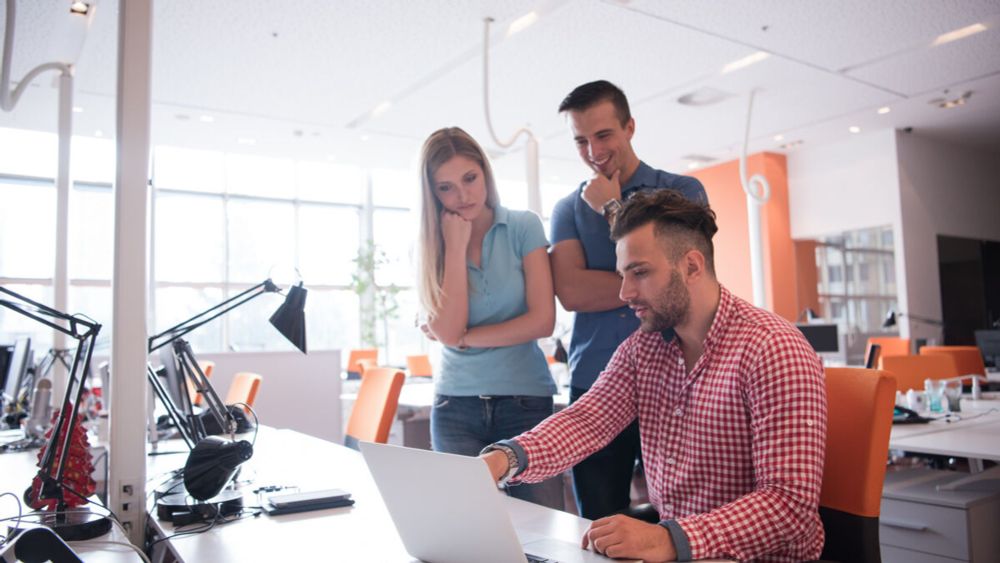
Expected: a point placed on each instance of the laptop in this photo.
(447, 509)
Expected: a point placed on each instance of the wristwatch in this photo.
(611, 208)
(512, 465)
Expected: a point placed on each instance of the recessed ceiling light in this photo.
(948, 103)
(958, 34)
(745, 62)
(522, 23)
(77, 109)
(206, 119)
(779, 137)
(883, 110)
(704, 96)
(381, 108)
(80, 8)
(246, 141)
(854, 129)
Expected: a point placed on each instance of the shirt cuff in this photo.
(522, 456)
(681, 544)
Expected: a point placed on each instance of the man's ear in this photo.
(694, 264)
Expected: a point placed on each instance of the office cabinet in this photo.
(918, 522)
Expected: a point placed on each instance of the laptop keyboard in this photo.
(537, 559)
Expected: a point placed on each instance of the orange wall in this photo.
(732, 247)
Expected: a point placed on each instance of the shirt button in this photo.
(679, 412)
(670, 461)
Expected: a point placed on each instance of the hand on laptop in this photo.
(623, 537)
(497, 462)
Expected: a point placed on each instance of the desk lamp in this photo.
(51, 481)
(890, 319)
(213, 461)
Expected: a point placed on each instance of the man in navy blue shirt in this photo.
(583, 268)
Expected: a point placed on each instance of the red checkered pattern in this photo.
(732, 451)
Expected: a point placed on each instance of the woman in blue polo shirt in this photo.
(486, 285)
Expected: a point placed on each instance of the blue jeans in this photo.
(602, 482)
(466, 425)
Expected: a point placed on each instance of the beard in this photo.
(669, 308)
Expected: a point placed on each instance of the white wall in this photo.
(944, 189)
(298, 391)
(837, 187)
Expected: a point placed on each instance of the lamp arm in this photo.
(172, 410)
(160, 340)
(41, 313)
(923, 319)
(9, 99)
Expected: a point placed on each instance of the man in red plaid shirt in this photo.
(730, 400)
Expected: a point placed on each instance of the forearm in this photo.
(525, 328)
(588, 291)
(449, 324)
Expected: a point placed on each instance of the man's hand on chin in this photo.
(623, 537)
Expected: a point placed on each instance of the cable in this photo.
(256, 422)
(20, 514)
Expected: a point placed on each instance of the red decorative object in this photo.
(77, 473)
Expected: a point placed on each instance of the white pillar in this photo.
(127, 448)
(61, 278)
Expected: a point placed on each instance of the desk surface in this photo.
(16, 471)
(364, 532)
(972, 435)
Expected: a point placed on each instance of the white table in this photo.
(364, 532)
(16, 471)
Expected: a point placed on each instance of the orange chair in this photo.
(375, 407)
(419, 366)
(243, 389)
(911, 371)
(354, 370)
(207, 367)
(859, 420)
(890, 346)
(968, 359)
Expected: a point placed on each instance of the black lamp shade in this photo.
(890, 320)
(290, 318)
(212, 463)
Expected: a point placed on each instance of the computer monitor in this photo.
(826, 340)
(989, 345)
(21, 359)
(5, 352)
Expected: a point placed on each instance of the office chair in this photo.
(243, 389)
(859, 420)
(365, 364)
(353, 369)
(889, 346)
(911, 371)
(419, 366)
(375, 407)
(968, 359)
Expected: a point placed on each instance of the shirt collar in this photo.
(721, 320)
(500, 215)
(644, 175)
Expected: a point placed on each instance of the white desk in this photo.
(364, 532)
(974, 434)
(16, 471)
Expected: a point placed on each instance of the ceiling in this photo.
(311, 78)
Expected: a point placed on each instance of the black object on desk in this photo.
(303, 502)
(903, 415)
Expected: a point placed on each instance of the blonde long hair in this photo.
(439, 148)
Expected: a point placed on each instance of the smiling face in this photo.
(651, 285)
(460, 187)
(602, 142)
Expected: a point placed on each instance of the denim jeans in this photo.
(466, 425)
(602, 482)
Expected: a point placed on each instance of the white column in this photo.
(60, 280)
(127, 448)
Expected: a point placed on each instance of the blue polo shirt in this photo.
(496, 294)
(597, 335)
